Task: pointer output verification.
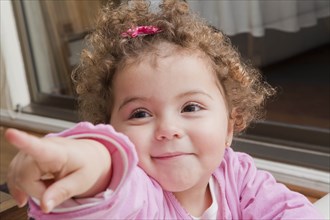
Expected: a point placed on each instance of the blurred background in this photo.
(289, 41)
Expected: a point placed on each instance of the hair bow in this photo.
(141, 31)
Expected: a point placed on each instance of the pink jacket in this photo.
(245, 192)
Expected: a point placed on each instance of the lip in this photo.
(167, 156)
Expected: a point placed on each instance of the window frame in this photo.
(302, 145)
(55, 106)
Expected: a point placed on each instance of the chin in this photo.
(176, 185)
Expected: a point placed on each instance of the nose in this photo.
(168, 129)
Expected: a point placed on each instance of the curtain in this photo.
(254, 16)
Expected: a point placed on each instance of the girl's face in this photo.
(176, 116)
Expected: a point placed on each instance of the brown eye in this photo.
(139, 113)
(191, 108)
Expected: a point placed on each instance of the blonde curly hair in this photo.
(245, 92)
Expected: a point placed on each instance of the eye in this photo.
(192, 107)
(140, 113)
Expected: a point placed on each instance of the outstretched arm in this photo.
(54, 169)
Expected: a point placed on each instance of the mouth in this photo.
(167, 156)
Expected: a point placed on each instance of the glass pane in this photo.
(303, 85)
(56, 30)
(298, 68)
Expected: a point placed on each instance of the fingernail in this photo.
(20, 205)
(50, 205)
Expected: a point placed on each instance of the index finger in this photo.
(41, 149)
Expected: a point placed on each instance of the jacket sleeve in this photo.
(261, 197)
(126, 176)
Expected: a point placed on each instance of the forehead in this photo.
(153, 53)
(161, 58)
(169, 73)
(173, 69)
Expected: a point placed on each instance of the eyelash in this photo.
(133, 115)
(137, 111)
(190, 105)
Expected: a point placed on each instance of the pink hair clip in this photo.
(141, 31)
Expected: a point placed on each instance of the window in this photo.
(296, 129)
(297, 125)
(52, 34)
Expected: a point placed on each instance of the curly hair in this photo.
(245, 91)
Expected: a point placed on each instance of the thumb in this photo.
(63, 190)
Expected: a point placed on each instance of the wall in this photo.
(4, 98)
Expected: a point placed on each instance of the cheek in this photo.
(214, 127)
(211, 137)
(212, 150)
(140, 140)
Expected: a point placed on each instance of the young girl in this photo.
(177, 92)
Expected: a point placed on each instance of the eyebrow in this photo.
(188, 93)
(132, 99)
(194, 92)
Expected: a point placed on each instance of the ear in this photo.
(230, 132)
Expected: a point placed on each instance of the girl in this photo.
(177, 92)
